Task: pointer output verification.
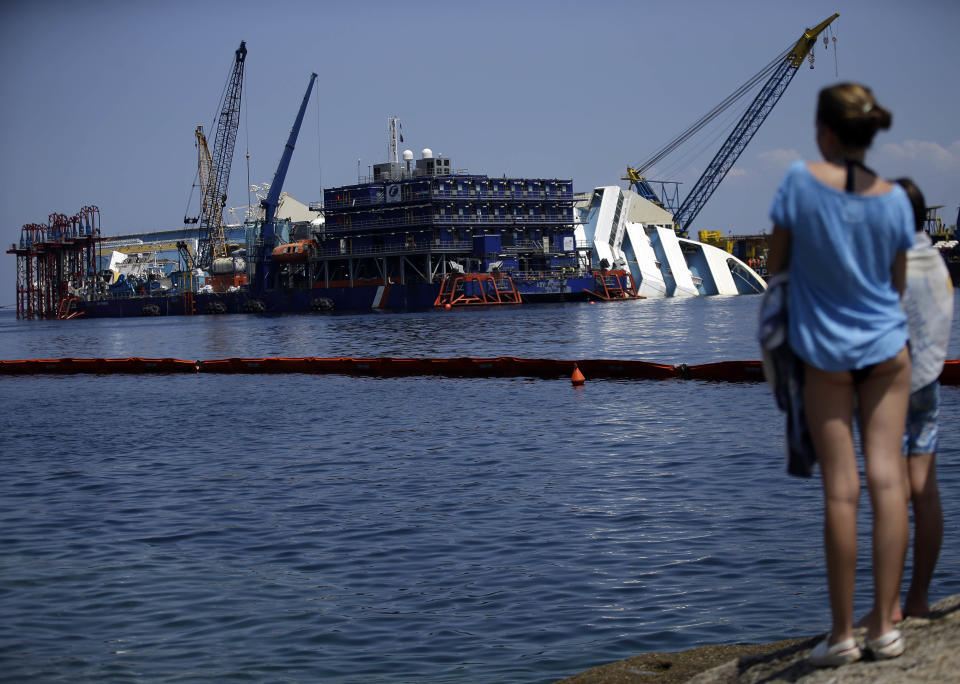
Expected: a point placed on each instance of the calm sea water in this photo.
(337, 529)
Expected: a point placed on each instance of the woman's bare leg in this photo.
(928, 531)
(884, 397)
(828, 404)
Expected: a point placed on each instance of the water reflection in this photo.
(671, 331)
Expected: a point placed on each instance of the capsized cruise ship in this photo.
(626, 231)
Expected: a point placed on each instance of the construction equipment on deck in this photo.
(267, 230)
(56, 264)
(214, 168)
(477, 289)
(781, 71)
(614, 285)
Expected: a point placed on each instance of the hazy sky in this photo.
(100, 98)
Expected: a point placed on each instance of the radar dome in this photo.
(408, 155)
(426, 153)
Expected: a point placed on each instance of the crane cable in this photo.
(836, 59)
(762, 75)
(711, 140)
(319, 152)
(248, 214)
(193, 186)
(196, 175)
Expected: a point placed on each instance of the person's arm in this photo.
(898, 272)
(778, 256)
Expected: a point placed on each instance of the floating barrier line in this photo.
(388, 366)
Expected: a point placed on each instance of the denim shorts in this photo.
(921, 434)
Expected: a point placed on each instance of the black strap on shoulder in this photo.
(851, 163)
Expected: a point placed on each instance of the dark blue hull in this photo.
(361, 298)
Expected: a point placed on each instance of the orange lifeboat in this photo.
(294, 252)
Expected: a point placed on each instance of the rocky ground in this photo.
(932, 655)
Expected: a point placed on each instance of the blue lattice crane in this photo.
(778, 75)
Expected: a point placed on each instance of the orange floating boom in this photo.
(386, 366)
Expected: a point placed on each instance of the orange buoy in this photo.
(577, 378)
(446, 306)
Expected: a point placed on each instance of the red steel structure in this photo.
(56, 262)
(616, 284)
(477, 289)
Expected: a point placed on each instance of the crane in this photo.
(215, 169)
(782, 70)
(267, 232)
(211, 207)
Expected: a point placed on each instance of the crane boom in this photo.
(267, 232)
(743, 132)
(211, 209)
(211, 243)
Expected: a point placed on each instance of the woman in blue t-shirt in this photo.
(843, 232)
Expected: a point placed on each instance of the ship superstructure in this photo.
(415, 223)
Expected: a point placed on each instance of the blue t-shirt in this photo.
(844, 312)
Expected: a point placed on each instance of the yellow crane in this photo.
(778, 75)
(212, 202)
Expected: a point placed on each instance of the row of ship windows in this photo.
(549, 188)
(409, 191)
(444, 212)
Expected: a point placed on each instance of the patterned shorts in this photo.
(921, 434)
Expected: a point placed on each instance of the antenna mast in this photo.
(393, 135)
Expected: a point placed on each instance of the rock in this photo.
(932, 655)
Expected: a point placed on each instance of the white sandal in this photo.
(841, 653)
(885, 646)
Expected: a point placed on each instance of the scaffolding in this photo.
(613, 285)
(56, 264)
(477, 289)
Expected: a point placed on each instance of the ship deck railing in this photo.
(553, 274)
(421, 247)
(449, 194)
(418, 247)
(440, 220)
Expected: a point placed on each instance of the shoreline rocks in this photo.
(932, 655)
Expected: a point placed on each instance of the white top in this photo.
(928, 303)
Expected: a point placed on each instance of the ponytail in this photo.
(851, 111)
